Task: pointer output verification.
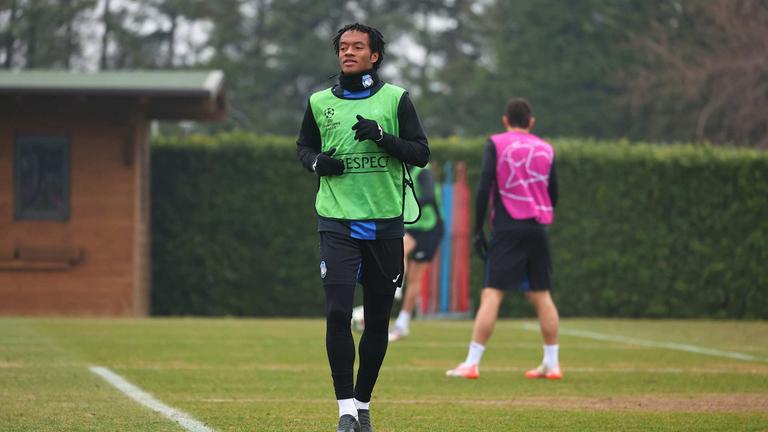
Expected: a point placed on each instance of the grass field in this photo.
(272, 375)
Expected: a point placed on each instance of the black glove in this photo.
(325, 165)
(481, 247)
(367, 130)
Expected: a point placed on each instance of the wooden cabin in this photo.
(74, 184)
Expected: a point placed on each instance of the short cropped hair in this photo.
(519, 112)
(375, 40)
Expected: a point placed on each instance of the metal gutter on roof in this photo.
(147, 83)
(159, 94)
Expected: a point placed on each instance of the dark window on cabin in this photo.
(41, 177)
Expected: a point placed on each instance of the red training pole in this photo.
(426, 280)
(460, 260)
(434, 284)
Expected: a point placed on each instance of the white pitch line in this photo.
(654, 344)
(144, 398)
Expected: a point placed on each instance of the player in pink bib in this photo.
(523, 164)
(518, 178)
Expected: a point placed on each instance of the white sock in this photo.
(403, 320)
(347, 406)
(550, 356)
(362, 405)
(475, 353)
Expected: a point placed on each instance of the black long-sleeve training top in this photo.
(501, 219)
(426, 181)
(410, 146)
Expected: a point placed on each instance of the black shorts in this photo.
(427, 243)
(345, 260)
(519, 258)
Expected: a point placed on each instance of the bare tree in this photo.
(174, 18)
(10, 35)
(105, 36)
(69, 38)
(714, 57)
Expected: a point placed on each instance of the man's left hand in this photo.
(481, 247)
(367, 130)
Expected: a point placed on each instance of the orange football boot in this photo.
(469, 371)
(545, 372)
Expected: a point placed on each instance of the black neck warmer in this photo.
(359, 81)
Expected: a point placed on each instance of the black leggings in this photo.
(378, 264)
(341, 346)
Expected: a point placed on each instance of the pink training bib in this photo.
(523, 161)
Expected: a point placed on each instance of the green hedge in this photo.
(640, 231)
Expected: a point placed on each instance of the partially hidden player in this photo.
(421, 241)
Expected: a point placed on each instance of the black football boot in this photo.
(348, 423)
(365, 420)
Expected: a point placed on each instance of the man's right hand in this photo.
(325, 165)
(481, 247)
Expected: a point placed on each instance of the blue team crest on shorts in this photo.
(367, 81)
(323, 269)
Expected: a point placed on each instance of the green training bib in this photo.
(428, 218)
(373, 184)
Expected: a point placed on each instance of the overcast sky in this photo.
(191, 37)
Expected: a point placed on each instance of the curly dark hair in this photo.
(519, 112)
(375, 40)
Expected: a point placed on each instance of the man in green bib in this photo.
(357, 137)
(422, 239)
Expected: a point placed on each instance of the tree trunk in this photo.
(32, 41)
(259, 32)
(10, 36)
(105, 37)
(172, 40)
(68, 35)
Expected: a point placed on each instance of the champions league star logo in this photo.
(367, 81)
(524, 158)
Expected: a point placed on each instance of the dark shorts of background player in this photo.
(346, 261)
(427, 243)
(519, 259)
